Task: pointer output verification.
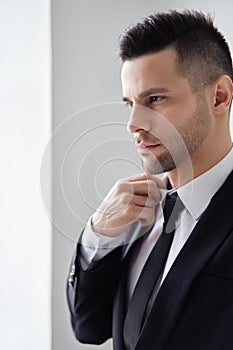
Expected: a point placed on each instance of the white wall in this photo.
(25, 259)
(86, 73)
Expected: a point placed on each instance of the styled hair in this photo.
(202, 51)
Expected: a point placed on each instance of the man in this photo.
(145, 293)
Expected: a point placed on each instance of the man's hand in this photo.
(129, 200)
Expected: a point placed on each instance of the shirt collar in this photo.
(196, 194)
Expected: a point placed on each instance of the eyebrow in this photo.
(153, 90)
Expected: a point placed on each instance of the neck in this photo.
(199, 163)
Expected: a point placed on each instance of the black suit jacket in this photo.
(194, 307)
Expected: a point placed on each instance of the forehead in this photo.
(151, 70)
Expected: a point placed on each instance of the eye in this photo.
(155, 99)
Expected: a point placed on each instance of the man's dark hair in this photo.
(202, 51)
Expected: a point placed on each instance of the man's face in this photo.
(167, 119)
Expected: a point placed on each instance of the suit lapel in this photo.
(212, 229)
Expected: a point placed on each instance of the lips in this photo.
(146, 148)
(145, 145)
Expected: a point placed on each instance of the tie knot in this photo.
(171, 210)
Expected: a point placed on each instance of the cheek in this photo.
(166, 130)
(168, 127)
(179, 112)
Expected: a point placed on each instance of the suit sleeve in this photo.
(90, 296)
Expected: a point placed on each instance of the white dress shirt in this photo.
(195, 196)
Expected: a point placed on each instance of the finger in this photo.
(161, 183)
(143, 201)
(134, 212)
(146, 188)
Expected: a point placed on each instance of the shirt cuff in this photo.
(95, 246)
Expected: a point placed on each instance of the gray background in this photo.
(86, 72)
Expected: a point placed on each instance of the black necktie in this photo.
(150, 273)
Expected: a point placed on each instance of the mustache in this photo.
(145, 137)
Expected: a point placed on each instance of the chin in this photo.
(159, 165)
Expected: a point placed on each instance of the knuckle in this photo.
(124, 187)
(120, 186)
(118, 182)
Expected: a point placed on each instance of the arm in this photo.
(91, 289)
(90, 296)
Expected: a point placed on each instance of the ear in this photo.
(222, 94)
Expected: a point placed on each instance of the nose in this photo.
(138, 120)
